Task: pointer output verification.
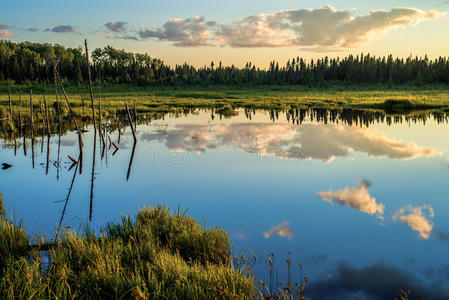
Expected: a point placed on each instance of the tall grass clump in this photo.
(2, 206)
(158, 254)
(14, 242)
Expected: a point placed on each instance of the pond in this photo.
(358, 198)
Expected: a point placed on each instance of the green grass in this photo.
(2, 206)
(14, 244)
(154, 103)
(163, 100)
(159, 254)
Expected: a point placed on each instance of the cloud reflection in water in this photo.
(322, 142)
(415, 218)
(281, 229)
(357, 198)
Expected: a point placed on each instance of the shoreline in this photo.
(151, 99)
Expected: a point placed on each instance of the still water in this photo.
(359, 199)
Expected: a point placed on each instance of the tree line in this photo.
(34, 62)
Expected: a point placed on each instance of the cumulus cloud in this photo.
(322, 27)
(5, 34)
(281, 229)
(416, 219)
(355, 197)
(309, 141)
(191, 32)
(256, 31)
(62, 29)
(313, 29)
(118, 30)
(118, 26)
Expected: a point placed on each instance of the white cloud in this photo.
(415, 218)
(313, 29)
(5, 34)
(355, 197)
(281, 229)
(191, 32)
(255, 31)
(317, 28)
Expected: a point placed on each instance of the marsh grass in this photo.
(164, 100)
(2, 206)
(155, 103)
(14, 243)
(159, 254)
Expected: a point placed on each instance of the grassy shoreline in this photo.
(155, 103)
(159, 254)
(151, 99)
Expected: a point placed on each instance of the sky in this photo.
(235, 31)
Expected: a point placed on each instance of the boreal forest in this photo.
(34, 63)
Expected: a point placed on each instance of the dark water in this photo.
(360, 199)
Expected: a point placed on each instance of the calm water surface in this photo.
(362, 205)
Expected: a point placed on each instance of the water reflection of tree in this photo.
(358, 117)
(67, 199)
(115, 123)
(92, 181)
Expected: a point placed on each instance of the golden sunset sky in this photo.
(235, 32)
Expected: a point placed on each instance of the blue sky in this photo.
(223, 33)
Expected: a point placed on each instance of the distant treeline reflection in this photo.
(351, 117)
